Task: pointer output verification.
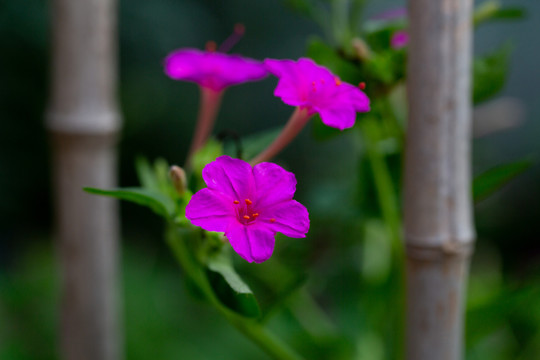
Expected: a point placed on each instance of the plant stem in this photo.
(296, 123)
(208, 109)
(386, 193)
(253, 330)
(388, 202)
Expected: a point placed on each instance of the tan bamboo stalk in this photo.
(84, 121)
(439, 229)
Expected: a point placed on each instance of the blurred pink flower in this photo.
(400, 39)
(249, 204)
(212, 69)
(314, 88)
(392, 14)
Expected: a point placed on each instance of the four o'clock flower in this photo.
(312, 88)
(399, 39)
(213, 71)
(249, 204)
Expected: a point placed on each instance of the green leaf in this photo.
(229, 288)
(146, 175)
(490, 181)
(326, 55)
(205, 155)
(491, 10)
(159, 203)
(489, 74)
(300, 6)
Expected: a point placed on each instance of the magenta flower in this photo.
(314, 88)
(249, 204)
(400, 39)
(212, 69)
(392, 14)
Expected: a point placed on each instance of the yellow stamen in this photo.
(236, 202)
(255, 215)
(246, 217)
(249, 202)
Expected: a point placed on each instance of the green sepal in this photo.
(490, 181)
(158, 202)
(229, 287)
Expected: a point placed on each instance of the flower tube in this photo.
(312, 89)
(213, 71)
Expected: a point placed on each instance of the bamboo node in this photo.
(447, 250)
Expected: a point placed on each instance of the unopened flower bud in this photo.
(361, 49)
(178, 177)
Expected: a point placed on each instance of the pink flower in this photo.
(400, 39)
(249, 204)
(314, 88)
(211, 69)
(392, 14)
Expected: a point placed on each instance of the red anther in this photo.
(272, 220)
(248, 202)
(236, 202)
(239, 28)
(362, 85)
(211, 46)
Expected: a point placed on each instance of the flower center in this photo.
(245, 211)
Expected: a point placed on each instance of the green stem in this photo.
(310, 316)
(386, 193)
(388, 202)
(273, 346)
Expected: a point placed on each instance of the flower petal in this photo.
(292, 85)
(251, 242)
(212, 70)
(289, 218)
(210, 210)
(273, 183)
(357, 98)
(338, 117)
(231, 177)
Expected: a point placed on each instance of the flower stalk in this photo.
(296, 123)
(252, 329)
(208, 109)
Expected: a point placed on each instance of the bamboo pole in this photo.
(83, 121)
(439, 229)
